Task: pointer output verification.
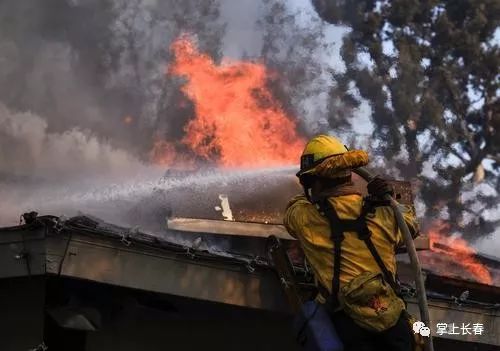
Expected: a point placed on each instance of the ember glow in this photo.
(461, 253)
(237, 123)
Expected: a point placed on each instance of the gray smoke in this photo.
(38, 167)
(28, 149)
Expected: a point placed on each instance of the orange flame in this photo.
(460, 252)
(238, 123)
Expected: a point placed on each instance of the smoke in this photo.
(244, 38)
(28, 149)
(40, 169)
(84, 93)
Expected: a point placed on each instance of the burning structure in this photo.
(82, 284)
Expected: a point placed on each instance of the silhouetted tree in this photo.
(293, 45)
(430, 71)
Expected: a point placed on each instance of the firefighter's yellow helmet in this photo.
(318, 149)
(328, 157)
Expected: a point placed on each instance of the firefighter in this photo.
(350, 243)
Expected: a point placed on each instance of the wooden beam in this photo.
(211, 226)
(252, 229)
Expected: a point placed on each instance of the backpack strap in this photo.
(365, 235)
(337, 236)
(337, 228)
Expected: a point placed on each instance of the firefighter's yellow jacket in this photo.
(304, 222)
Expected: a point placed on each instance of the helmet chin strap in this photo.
(308, 193)
(305, 181)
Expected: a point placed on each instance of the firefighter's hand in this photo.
(379, 187)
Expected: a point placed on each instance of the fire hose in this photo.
(412, 253)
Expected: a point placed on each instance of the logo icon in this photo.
(425, 331)
(420, 328)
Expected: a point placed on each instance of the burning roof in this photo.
(128, 258)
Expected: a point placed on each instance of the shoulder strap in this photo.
(337, 236)
(365, 234)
